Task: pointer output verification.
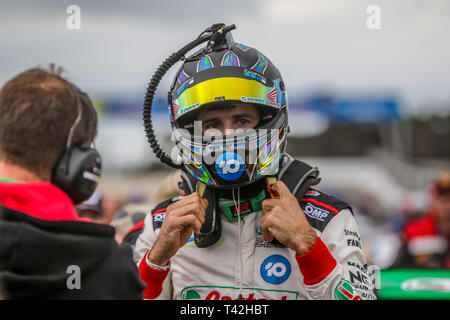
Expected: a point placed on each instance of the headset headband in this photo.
(77, 121)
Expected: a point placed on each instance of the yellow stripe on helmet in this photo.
(223, 89)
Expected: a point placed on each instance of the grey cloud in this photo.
(313, 43)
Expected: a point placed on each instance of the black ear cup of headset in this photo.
(78, 171)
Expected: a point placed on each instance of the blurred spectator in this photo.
(92, 207)
(46, 250)
(413, 205)
(110, 204)
(99, 208)
(169, 187)
(426, 240)
(129, 220)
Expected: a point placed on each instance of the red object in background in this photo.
(424, 226)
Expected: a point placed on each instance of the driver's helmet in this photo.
(218, 78)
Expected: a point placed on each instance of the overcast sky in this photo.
(314, 43)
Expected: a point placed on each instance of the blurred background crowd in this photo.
(370, 108)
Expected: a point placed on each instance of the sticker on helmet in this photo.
(229, 166)
(189, 108)
(252, 99)
(273, 96)
(261, 65)
(204, 63)
(230, 59)
(255, 75)
(175, 109)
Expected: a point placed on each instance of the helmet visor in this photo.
(226, 89)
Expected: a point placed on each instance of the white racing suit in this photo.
(335, 268)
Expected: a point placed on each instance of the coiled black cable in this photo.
(214, 33)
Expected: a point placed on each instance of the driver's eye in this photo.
(210, 125)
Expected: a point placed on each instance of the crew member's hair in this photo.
(37, 109)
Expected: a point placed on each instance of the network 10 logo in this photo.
(275, 269)
(229, 166)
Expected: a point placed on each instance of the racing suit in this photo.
(335, 268)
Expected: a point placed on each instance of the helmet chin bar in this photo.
(234, 160)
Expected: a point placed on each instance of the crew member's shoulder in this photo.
(320, 207)
(159, 211)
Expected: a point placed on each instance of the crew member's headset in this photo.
(78, 171)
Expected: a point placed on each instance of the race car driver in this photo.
(249, 225)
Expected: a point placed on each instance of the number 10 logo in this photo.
(229, 166)
(275, 269)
